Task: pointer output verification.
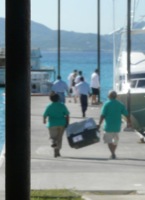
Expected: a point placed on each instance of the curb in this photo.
(88, 193)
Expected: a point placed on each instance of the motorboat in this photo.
(41, 76)
(136, 87)
(130, 85)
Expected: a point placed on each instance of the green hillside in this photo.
(46, 39)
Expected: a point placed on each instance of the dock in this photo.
(89, 169)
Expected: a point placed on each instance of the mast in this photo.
(98, 40)
(128, 52)
(58, 39)
(114, 48)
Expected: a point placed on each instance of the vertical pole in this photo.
(128, 52)
(114, 48)
(59, 35)
(98, 42)
(17, 99)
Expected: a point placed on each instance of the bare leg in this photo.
(112, 148)
(94, 99)
(75, 99)
(56, 152)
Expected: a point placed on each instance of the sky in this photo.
(81, 15)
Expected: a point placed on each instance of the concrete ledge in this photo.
(108, 192)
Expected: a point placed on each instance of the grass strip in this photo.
(55, 195)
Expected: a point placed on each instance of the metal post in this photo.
(128, 52)
(59, 35)
(98, 42)
(114, 48)
(18, 99)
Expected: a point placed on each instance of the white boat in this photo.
(41, 77)
(131, 91)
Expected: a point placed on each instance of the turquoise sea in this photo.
(84, 61)
(2, 118)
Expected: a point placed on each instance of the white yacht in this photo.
(132, 92)
(136, 87)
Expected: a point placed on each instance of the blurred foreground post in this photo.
(18, 99)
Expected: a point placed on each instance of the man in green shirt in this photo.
(111, 114)
(58, 118)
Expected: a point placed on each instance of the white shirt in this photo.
(70, 79)
(95, 80)
(77, 79)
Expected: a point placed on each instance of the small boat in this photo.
(132, 92)
(41, 76)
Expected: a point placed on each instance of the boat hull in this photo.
(137, 108)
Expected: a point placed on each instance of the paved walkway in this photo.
(86, 169)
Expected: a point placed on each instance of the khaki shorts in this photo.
(111, 138)
(56, 134)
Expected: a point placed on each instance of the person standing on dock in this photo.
(95, 85)
(58, 118)
(83, 90)
(60, 87)
(111, 113)
(71, 78)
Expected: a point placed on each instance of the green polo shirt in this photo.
(56, 113)
(112, 111)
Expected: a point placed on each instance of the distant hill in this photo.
(46, 38)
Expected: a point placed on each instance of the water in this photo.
(2, 118)
(82, 61)
(86, 62)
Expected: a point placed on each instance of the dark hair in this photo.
(54, 97)
(112, 94)
(81, 78)
(80, 72)
(59, 77)
(96, 70)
